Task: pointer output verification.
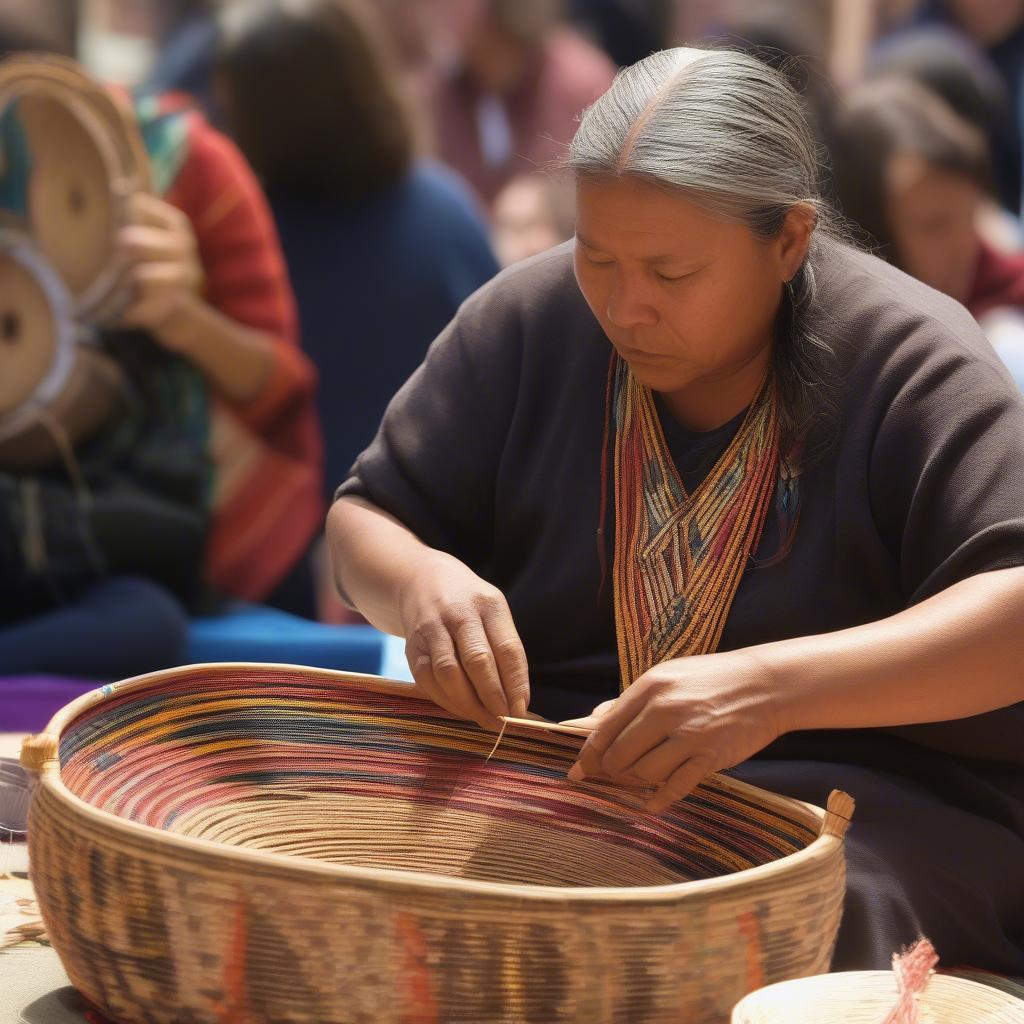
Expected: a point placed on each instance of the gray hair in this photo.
(731, 134)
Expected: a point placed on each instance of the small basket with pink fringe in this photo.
(909, 994)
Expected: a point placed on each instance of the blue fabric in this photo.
(122, 626)
(1012, 353)
(247, 632)
(185, 63)
(127, 626)
(376, 281)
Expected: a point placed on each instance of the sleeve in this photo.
(947, 463)
(244, 269)
(435, 460)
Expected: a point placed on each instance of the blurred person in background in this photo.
(953, 66)
(533, 212)
(915, 177)
(382, 246)
(627, 30)
(997, 26)
(518, 79)
(186, 47)
(41, 25)
(208, 482)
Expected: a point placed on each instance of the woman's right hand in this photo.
(461, 642)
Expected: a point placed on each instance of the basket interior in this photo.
(307, 766)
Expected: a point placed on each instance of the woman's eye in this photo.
(599, 263)
(671, 277)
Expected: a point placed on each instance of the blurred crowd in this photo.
(404, 150)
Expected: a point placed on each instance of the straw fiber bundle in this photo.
(866, 997)
(258, 843)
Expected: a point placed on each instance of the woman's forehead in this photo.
(645, 221)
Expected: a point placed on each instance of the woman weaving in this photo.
(782, 511)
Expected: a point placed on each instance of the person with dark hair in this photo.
(915, 177)
(510, 101)
(626, 30)
(206, 478)
(381, 246)
(954, 67)
(997, 27)
(742, 496)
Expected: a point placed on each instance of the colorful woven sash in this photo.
(679, 557)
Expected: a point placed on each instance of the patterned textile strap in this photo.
(679, 557)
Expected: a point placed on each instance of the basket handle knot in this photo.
(839, 814)
(38, 751)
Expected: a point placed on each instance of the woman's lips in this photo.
(641, 355)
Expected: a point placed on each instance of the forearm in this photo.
(235, 358)
(372, 554)
(958, 654)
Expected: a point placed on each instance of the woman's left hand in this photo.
(163, 270)
(678, 723)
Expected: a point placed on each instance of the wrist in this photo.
(423, 561)
(180, 329)
(778, 699)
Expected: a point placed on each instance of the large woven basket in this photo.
(258, 843)
(866, 997)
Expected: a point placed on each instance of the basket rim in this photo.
(822, 848)
(952, 982)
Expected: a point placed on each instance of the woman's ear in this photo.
(793, 241)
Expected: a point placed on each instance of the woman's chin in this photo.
(660, 374)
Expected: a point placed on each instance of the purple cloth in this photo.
(27, 703)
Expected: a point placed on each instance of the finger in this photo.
(143, 242)
(451, 679)
(510, 656)
(591, 720)
(167, 274)
(146, 209)
(637, 738)
(681, 783)
(426, 685)
(659, 763)
(478, 664)
(607, 730)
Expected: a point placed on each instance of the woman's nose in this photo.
(628, 306)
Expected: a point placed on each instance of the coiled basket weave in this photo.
(259, 843)
(867, 997)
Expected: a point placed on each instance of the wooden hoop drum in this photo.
(50, 381)
(87, 159)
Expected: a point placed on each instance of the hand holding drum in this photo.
(163, 271)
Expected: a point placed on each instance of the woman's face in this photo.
(683, 297)
(931, 215)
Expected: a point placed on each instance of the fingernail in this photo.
(576, 773)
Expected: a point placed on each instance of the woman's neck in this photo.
(712, 401)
